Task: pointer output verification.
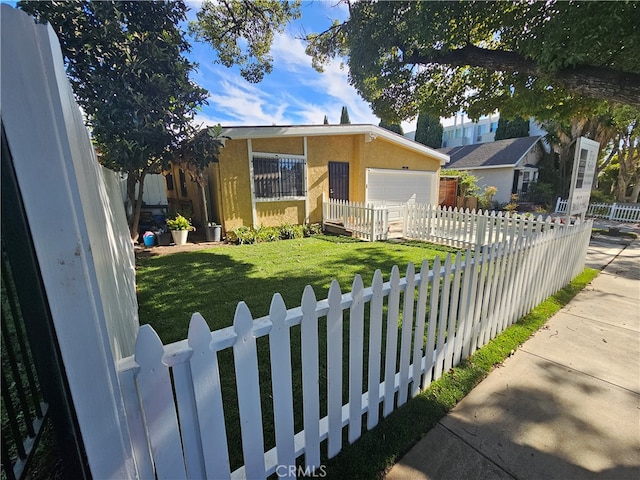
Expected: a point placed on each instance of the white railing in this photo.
(462, 228)
(622, 212)
(173, 393)
(366, 221)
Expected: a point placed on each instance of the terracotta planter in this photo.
(179, 236)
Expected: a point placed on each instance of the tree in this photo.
(125, 61)
(549, 59)
(241, 31)
(393, 127)
(514, 128)
(326, 120)
(344, 116)
(429, 130)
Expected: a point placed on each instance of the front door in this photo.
(339, 180)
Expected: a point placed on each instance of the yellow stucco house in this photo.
(272, 175)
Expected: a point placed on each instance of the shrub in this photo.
(243, 235)
(312, 229)
(267, 234)
(288, 231)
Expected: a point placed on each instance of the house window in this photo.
(494, 126)
(169, 179)
(277, 177)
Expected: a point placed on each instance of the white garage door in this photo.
(401, 186)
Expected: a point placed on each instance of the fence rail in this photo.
(462, 228)
(365, 221)
(173, 393)
(629, 212)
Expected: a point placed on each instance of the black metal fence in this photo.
(23, 409)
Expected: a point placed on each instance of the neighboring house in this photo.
(509, 165)
(461, 130)
(273, 175)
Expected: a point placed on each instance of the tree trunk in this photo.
(136, 203)
(594, 82)
(635, 193)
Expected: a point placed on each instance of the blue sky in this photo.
(294, 93)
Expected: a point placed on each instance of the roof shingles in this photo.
(492, 154)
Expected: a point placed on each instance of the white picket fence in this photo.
(462, 228)
(365, 221)
(622, 212)
(173, 393)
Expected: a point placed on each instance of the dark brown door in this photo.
(339, 180)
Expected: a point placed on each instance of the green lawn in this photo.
(213, 281)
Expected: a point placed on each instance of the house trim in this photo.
(371, 133)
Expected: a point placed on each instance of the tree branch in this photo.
(596, 82)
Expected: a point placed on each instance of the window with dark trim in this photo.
(169, 179)
(278, 177)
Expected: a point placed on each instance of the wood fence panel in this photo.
(443, 317)
(418, 343)
(282, 387)
(245, 357)
(453, 313)
(356, 349)
(375, 348)
(433, 320)
(208, 396)
(334, 369)
(407, 331)
(156, 395)
(310, 379)
(393, 311)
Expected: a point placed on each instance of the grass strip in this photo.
(378, 449)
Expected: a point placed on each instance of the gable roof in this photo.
(501, 153)
(372, 131)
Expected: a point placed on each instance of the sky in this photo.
(294, 93)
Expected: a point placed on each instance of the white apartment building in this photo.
(460, 130)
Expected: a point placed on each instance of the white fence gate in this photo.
(173, 397)
(365, 221)
(462, 228)
(622, 212)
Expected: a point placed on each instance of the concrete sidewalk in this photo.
(565, 406)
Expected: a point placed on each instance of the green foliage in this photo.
(392, 127)
(126, 63)
(312, 229)
(325, 121)
(344, 116)
(179, 223)
(241, 32)
(485, 201)
(288, 231)
(467, 183)
(542, 59)
(247, 235)
(542, 193)
(515, 128)
(601, 196)
(429, 130)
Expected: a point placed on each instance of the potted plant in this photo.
(180, 228)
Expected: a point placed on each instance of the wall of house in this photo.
(233, 185)
(230, 179)
(501, 178)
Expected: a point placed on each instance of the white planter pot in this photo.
(179, 236)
